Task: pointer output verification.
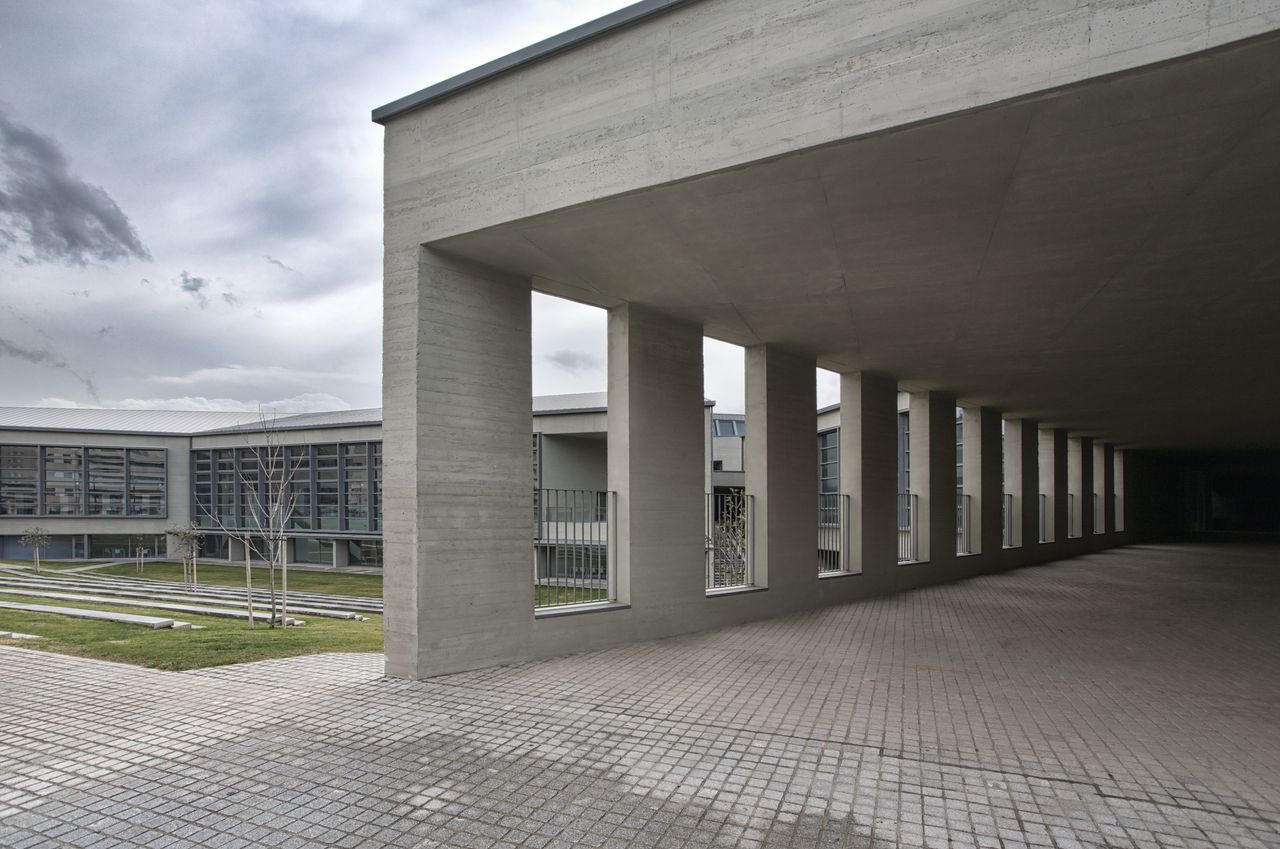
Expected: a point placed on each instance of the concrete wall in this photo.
(719, 83)
(728, 451)
(572, 462)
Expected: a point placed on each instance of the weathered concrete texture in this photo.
(656, 455)
(981, 440)
(1022, 479)
(782, 465)
(1123, 700)
(869, 470)
(458, 480)
(933, 473)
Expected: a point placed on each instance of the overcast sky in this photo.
(190, 203)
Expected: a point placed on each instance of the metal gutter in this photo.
(566, 40)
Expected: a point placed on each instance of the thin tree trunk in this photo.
(284, 584)
(271, 578)
(248, 584)
(37, 552)
(195, 579)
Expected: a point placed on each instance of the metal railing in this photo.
(730, 522)
(1044, 517)
(574, 535)
(1007, 519)
(964, 529)
(908, 527)
(833, 533)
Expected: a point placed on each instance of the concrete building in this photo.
(1060, 215)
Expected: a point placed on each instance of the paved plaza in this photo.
(1125, 699)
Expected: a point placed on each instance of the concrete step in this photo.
(104, 615)
(199, 610)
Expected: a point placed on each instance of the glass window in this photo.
(106, 481)
(147, 482)
(19, 482)
(202, 472)
(328, 508)
(377, 488)
(829, 461)
(225, 487)
(63, 481)
(355, 486)
(300, 496)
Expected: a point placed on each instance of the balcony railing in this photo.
(833, 533)
(730, 520)
(574, 534)
(964, 529)
(908, 527)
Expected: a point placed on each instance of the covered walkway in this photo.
(1129, 698)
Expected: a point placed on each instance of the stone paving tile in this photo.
(1126, 699)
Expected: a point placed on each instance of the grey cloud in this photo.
(45, 357)
(230, 299)
(279, 264)
(54, 213)
(194, 286)
(573, 361)
(79, 293)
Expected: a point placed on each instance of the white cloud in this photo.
(307, 402)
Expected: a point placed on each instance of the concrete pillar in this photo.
(1075, 486)
(656, 449)
(290, 550)
(1086, 487)
(1122, 505)
(933, 473)
(869, 472)
(342, 554)
(1098, 507)
(458, 481)
(1109, 488)
(1022, 478)
(981, 437)
(1061, 484)
(235, 550)
(781, 462)
(1047, 463)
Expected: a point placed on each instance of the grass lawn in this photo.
(225, 575)
(222, 641)
(543, 596)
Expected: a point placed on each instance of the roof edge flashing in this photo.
(546, 48)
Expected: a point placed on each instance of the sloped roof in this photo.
(308, 421)
(167, 422)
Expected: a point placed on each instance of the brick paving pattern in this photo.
(1125, 699)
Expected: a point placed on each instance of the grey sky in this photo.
(190, 198)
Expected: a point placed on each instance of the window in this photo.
(328, 507)
(63, 481)
(829, 461)
(904, 452)
(19, 480)
(730, 427)
(106, 481)
(355, 486)
(147, 482)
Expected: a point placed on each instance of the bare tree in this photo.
(188, 540)
(268, 500)
(38, 538)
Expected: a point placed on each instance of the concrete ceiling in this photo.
(1104, 258)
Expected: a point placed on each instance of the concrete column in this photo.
(869, 472)
(981, 436)
(933, 473)
(290, 550)
(781, 462)
(1061, 483)
(1098, 507)
(342, 554)
(1109, 488)
(1022, 478)
(1047, 462)
(458, 481)
(1122, 509)
(1086, 487)
(235, 550)
(656, 450)
(1075, 486)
